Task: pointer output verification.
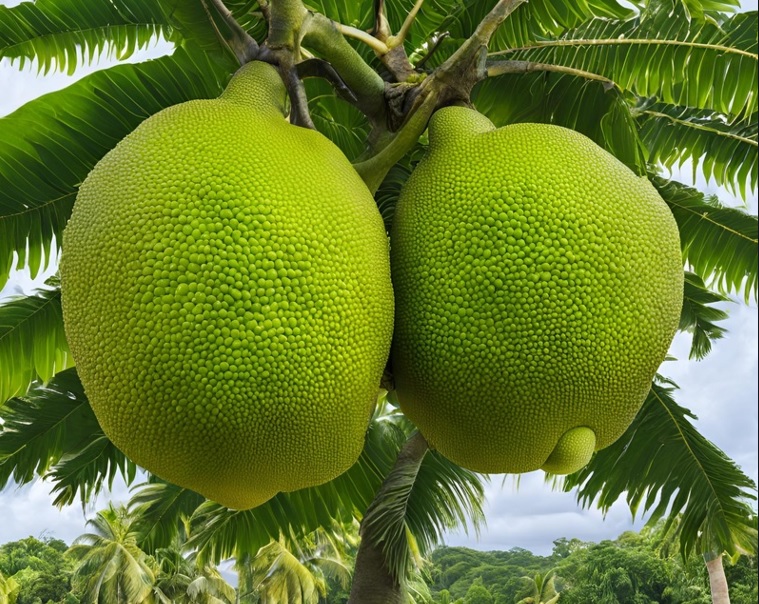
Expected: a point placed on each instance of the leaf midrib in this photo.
(56, 295)
(715, 496)
(627, 41)
(705, 216)
(47, 431)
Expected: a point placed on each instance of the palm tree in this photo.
(281, 575)
(8, 590)
(542, 589)
(588, 68)
(112, 568)
(209, 587)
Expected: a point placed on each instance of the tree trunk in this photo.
(373, 583)
(717, 580)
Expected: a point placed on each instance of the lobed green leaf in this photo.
(699, 318)
(60, 34)
(722, 151)
(665, 55)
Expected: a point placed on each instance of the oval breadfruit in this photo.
(226, 296)
(538, 286)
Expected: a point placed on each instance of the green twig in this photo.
(400, 37)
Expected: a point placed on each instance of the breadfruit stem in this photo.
(374, 169)
(381, 24)
(374, 582)
(322, 36)
(465, 67)
(375, 44)
(400, 37)
(242, 43)
(498, 68)
(394, 56)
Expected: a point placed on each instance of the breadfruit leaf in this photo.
(60, 34)
(336, 119)
(32, 342)
(52, 427)
(706, 65)
(664, 467)
(723, 152)
(192, 23)
(701, 9)
(50, 144)
(533, 20)
(719, 242)
(699, 318)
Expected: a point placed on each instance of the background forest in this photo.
(632, 569)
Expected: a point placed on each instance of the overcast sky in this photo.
(721, 390)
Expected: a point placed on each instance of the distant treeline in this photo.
(628, 570)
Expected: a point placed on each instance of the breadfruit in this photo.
(538, 285)
(227, 298)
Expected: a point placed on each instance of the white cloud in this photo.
(533, 516)
(29, 511)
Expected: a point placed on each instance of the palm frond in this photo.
(723, 152)
(600, 113)
(32, 342)
(339, 121)
(84, 472)
(683, 62)
(50, 144)
(699, 318)
(719, 242)
(159, 509)
(418, 502)
(444, 496)
(60, 34)
(665, 467)
(53, 427)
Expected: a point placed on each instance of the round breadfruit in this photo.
(226, 296)
(538, 284)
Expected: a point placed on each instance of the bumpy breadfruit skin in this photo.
(227, 298)
(538, 286)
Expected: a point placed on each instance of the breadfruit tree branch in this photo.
(322, 36)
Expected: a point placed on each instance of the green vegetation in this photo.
(630, 569)
(182, 362)
(538, 285)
